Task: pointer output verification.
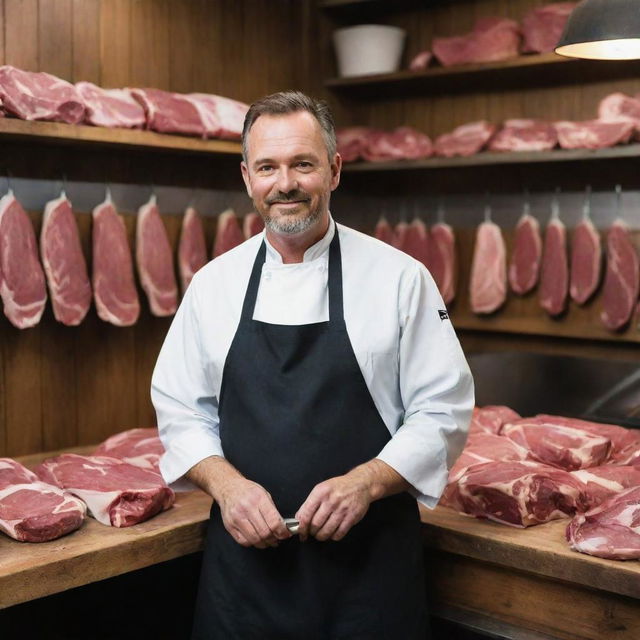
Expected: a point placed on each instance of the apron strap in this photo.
(252, 288)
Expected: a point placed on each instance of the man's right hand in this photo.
(248, 512)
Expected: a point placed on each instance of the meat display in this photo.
(34, 511)
(192, 248)
(586, 261)
(524, 267)
(33, 95)
(441, 260)
(416, 243)
(114, 287)
(491, 39)
(139, 447)
(603, 482)
(558, 446)
(490, 418)
(622, 278)
(117, 493)
(155, 261)
(252, 225)
(420, 61)
(169, 112)
(519, 493)
(610, 530)
(543, 26)
(524, 135)
(229, 234)
(619, 107)
(64, 263)
(488, 288)
(554, 272)
(403, 143)
(22, 282)
(384, 231)
(110, 107)
(221, 117)
(465, 140)
(592, 134)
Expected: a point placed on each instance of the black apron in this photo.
(294, 411)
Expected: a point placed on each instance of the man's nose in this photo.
(286, 180)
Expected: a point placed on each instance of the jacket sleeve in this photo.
(436, 389)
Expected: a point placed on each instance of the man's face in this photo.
(288, 174)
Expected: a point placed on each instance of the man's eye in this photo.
(304, 164)
(264, 168)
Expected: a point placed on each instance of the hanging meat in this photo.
(22, 281)
(114, 287)
(155, 261)
(400, 235)
(192, 248)
(488, 270)
(416, 242)
(586, 261)
(622, 278)
(228, 234)
(252, 225)
(384, 231)
(554, 273)
(64, 263)
(524, 267)
(442, 263)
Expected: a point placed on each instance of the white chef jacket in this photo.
(402, 338)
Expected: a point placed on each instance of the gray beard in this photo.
(293, 226)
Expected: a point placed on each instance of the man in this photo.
(310, 373)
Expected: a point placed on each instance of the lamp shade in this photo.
(602, 30)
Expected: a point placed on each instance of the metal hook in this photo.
(618, 199)
(586, 206)
(555, 205)
(487, 208)
(526, 207)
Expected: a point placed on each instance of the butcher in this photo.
(311, 383)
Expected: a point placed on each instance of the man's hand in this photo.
(248, 512)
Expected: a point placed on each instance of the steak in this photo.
(554, 273)
(64, 263)
(519, 493)
(610, 530)
(221, 117)
(441, 260)
(34, 511)
(110, 107)
(139, 447)
(543, 26)
(586, 261)
(491, 39)
(33, 95)
(592, 134)
(252, 225)
(351, 142)
(192, 249)
(384, 231)
(489, 419)
(114, 287)
(465, 140)
(22, 282)
(524, 135)
(228, 235)
(416, 242)
(117, 493)
(524, 267)
(622, 278)
(167, 112)
(488, 270)
(403, 143)
(619, 107)
(603, 482)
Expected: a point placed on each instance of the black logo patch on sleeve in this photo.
(443, 314)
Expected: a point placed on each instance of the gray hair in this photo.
(286, 102)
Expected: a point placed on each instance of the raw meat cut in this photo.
(33, 95)
(222, 117)
(490, 40)
(441, 260)
(603, 482)
(114, 287)
(169, 112)
(592, 134)
(34, 511)
(64, 263)
(351, 141)
(252, 225)
(519, 493)
(464, 140)
(524, 135)
(622, 278)
(228, 235)
(421, 61)
(139, 447)
(22, 282)
(490, 418)
(403, 143)
(110, 107)
(192, 249)
(488, 287)
(619, 107)
(586, 261)
(400, 235)
(117, 493)
(554, 272)
(416, 241)
(384, 231)
(564, 447)
(524, 267)
(543, 26)
(155, 261)
(610, 530)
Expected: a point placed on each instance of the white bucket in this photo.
(368, 48)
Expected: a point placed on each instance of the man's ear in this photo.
(245, 177)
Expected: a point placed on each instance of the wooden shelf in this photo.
(386, 5)
(523, 71)
(67, 134)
